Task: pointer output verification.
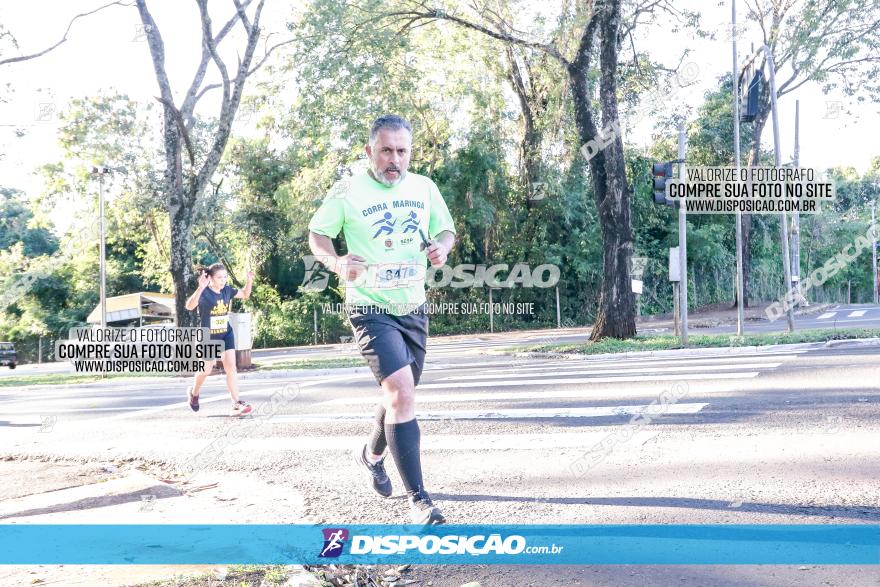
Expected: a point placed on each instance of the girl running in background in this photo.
(214, 301)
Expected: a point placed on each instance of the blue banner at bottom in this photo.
(472, 544)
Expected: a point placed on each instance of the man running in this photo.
(385, 275)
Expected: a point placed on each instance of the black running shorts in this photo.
(390, 342)
(228, 339)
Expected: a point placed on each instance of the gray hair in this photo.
(389, 121)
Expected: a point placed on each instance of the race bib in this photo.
(219, 322)
(398, 275)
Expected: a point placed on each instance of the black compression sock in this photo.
(376, 443)
(403, 442)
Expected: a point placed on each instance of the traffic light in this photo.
(661, 172)
(750, 92)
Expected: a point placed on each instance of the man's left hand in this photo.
(437, 254)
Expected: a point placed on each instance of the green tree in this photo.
(590, 57)
(834, 43)
(19, 225)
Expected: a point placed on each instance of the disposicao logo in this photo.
(334, 540)
(473, 545)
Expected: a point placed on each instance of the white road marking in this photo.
(573, 393)
(184, 404)
(518, 413)
(172, 392)
(826, 315)
(627, 370)
(633, 378)
(48, 411)
(584, 364)
(856, 313)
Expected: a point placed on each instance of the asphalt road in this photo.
(838, 317)
(778, 436)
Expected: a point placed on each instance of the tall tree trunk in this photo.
(616, 302)
(180, 216)
(181, 263)
(184, 187)
(530, 146)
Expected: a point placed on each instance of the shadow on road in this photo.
(157, 491)
(8, 424)
(857, 512)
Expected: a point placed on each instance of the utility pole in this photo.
(740, 294)
(682, 241)
(876, 295)
(101, 172)
(558, 315)
(491, 313)
(795, 216)
(783, 221)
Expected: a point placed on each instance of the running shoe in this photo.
(193, 399)
(422, 510)
(379, 480)
(240, 408)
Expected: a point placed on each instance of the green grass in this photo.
(237, 576)
(315, 364)
(68, 378)
(669, 342)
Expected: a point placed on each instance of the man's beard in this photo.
(380, 176)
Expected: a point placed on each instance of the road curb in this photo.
(697, 352)
(853, 343)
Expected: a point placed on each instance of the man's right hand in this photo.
(350, 267)
(204, 280)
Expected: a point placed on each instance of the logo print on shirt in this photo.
(411, 224)
(386, 225)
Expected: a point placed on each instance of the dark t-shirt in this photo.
(214, 309)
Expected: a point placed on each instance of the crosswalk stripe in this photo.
(627, 370)
(826, 315)
(856, 313)
(647, 363)
(591, 393)
(49, 411)
(508, 413)
(632, 378)
(177, 405)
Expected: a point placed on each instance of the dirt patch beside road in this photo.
(51, 491)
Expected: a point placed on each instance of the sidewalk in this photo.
(720, 315)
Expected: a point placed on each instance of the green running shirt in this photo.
(381, 224)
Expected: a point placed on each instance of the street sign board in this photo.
(674, 265)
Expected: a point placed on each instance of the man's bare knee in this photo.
(399, 391)
(400, 380)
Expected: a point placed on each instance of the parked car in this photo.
(7, 354)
